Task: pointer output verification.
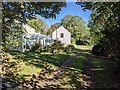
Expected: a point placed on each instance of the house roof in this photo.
(28, 28)
(61, 28)
(35, 36)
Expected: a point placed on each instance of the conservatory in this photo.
(30, 40)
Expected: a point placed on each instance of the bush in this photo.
(97, 50)
(69, 48)
(73, 41)
(82, 42)
(36, 48)
(79, 42)
(39, 49)
(47, 48)
(56, 47)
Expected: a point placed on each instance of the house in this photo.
(62, 35)
(29, 38)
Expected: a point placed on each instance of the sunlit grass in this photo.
(83, 47)
(28, 69)
(72, 76)
(32, 63)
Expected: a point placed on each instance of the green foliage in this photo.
(98, 50)
(73, 41)
(53, 28)
(12, 36)
(105, 24)
(80, 42)
(36, 48)
(24, 11)
(69, 48)
(57, 46)
(47, 48)
(76, 26)
(40, 49)
(39, 25)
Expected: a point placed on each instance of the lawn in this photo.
(31, 63)
(104, 73)
(72, 77)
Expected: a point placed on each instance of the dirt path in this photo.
(88, 78)
(53, 76)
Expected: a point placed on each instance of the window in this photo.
(23, 46)
(61, 35)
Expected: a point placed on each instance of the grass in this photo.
(72, 77)
(31, 63)
(103, 72)
(82, 47)
(78, 62)
(28, 69)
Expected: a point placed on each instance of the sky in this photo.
(71, 9)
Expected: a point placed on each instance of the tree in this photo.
(53, 28)
(39, 25)
(21, 11)
(105, 18)
(76, 25)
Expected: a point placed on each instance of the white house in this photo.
(62, 35)
(29, 38)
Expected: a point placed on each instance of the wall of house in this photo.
(56, 35)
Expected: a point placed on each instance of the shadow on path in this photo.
(55, 74)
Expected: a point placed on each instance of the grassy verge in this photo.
(103, 72)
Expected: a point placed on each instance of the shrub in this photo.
(73, 41)
(27, 46)
(97, 50)
(39, 49)
(79, 42)
(69, 48)
(36, 47)
(56, 47)
(47, 48)
(82, 42)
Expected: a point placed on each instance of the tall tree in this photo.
(76, 25)
(105, 18)
(39, 25)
